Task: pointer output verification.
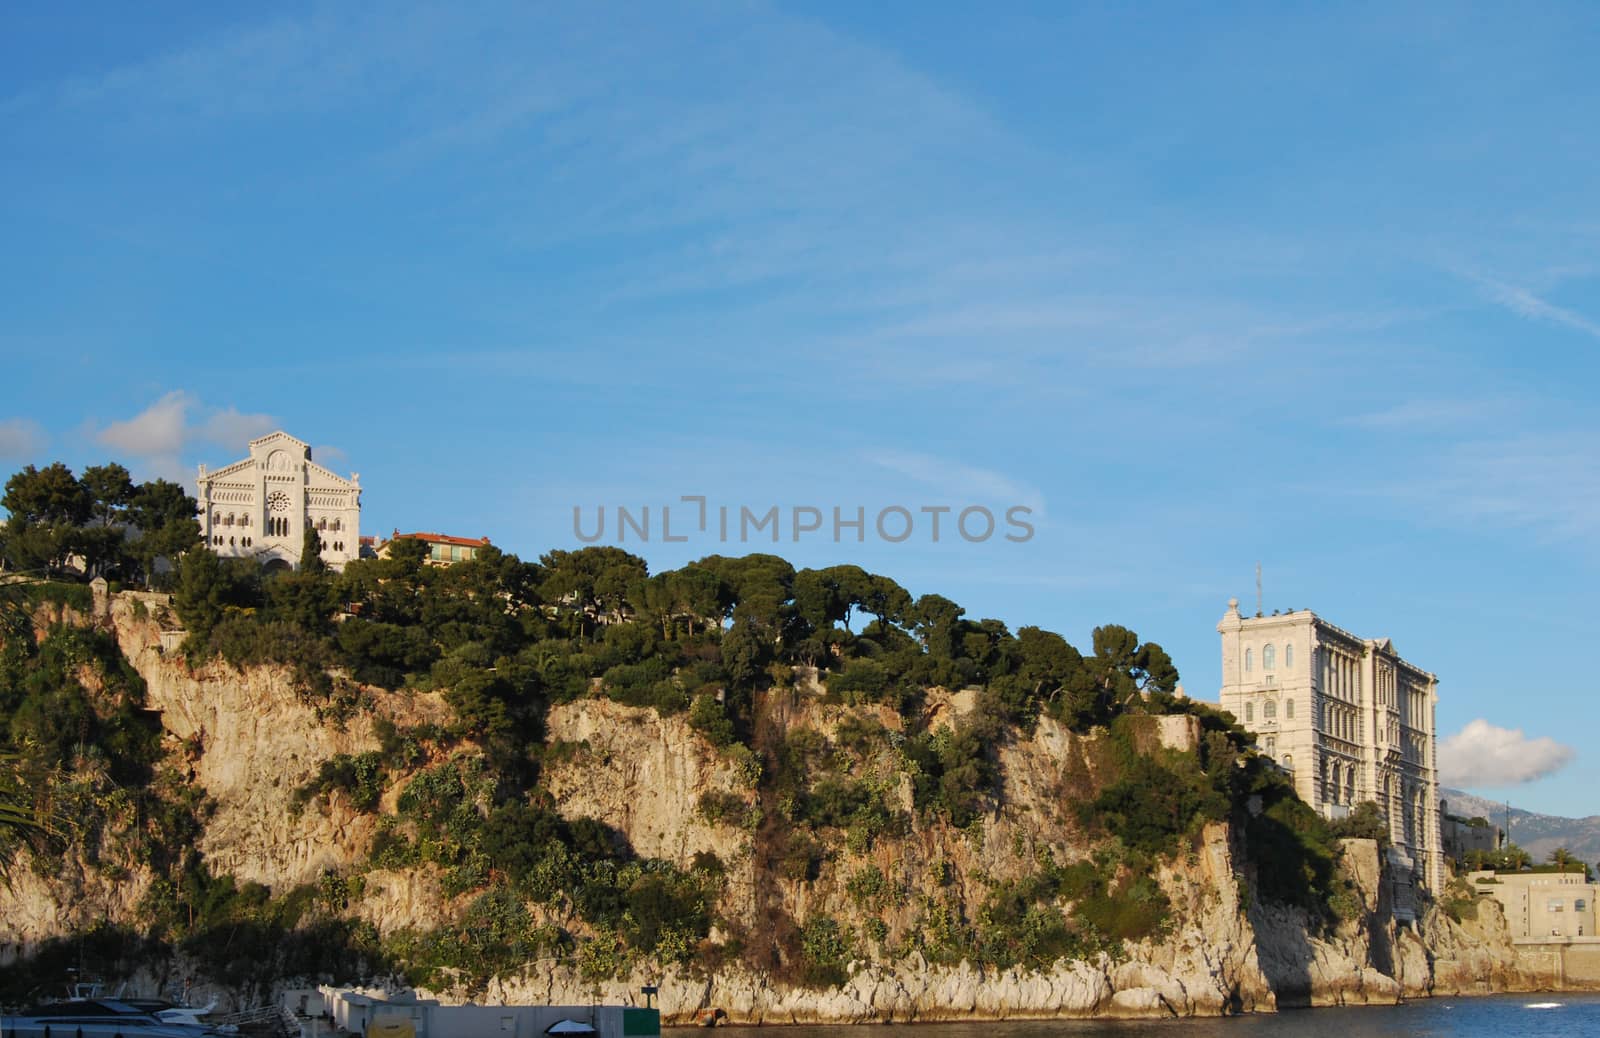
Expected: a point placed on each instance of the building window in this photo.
(1272, 745)
(1249, 660)
(1580, 905)
(1288, 761)
(1288, 705)
(1288, 656)
(1554, 904)
(1249, 713)
(1269, 658)
(1269, 710)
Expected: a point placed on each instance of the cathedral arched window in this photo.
(322, 524)
(335, 525)
(1249, 660)
(1269, 710)
(1288, 761)
(1288, 656)
(1269, 658)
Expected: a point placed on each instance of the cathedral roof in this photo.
(281, 437)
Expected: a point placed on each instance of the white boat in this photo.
(95, 1018)
(179, 1015)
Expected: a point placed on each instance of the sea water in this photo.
(1497, 1016)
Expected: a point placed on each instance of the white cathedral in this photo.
(261, 506)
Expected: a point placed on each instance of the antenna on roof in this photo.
(1258, 589)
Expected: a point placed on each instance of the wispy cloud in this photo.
(1423, 413)
(1525, 303)
(956, 480)
(21, 438)
(1483, 755)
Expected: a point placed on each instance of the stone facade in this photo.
(1542, 904)
(1346, 717)
(1460, 837)
(260, 507)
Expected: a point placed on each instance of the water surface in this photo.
(1497, 1016)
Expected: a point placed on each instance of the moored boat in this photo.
(95, 1018)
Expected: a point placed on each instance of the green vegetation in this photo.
(1364, 822)
(717, 642)
(1507, 858)
(118, 529)
(1460, 901)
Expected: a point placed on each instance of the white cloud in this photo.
(229, 428)
(1486, 755)
(21, 438)
(156, 431)
(159, 435)
(165, 429)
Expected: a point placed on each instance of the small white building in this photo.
(347, 1011)
(261, 506)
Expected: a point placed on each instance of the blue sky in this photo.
(1310, 287)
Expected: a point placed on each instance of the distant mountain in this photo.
(1537, 834)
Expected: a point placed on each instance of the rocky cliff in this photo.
(243, 741)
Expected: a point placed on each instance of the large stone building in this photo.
(260, 507)
(1346, 717)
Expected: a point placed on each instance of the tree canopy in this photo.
(117, 527)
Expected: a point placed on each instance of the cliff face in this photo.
(248, 740)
